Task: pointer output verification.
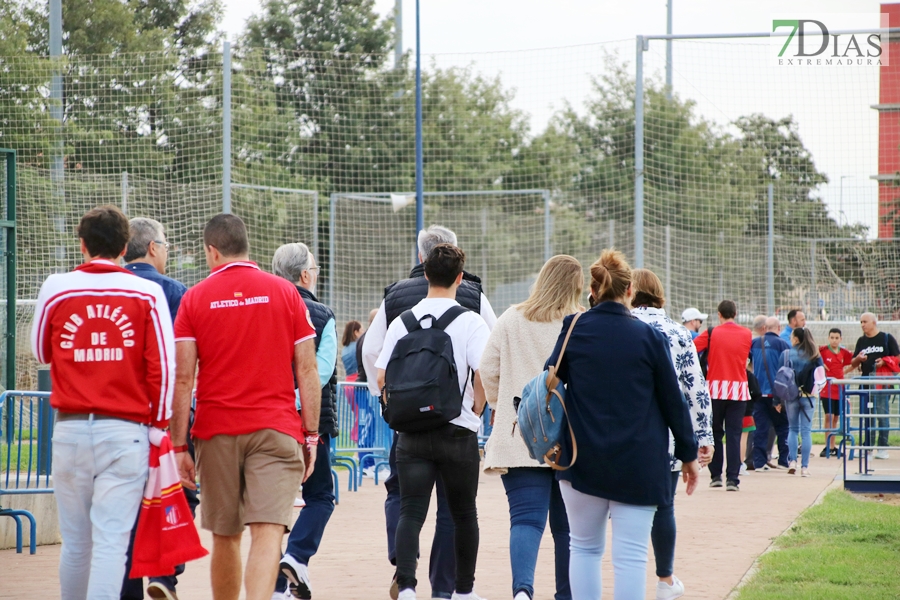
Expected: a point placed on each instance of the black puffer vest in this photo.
(320, 316)
(404, 294)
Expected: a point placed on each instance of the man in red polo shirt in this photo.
(252, 335)
(728, 350)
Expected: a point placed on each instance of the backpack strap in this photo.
(449, 316)
(410, 321)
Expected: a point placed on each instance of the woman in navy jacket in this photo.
(623, 397)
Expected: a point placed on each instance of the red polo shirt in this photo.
(245, 323)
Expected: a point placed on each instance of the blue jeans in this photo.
(442, 563)
(533, 493)
(318, 493)
(799, 414)
(766, 417)
(663, 533)
(99, 472)
(631, 526)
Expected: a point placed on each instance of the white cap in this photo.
(692, 313)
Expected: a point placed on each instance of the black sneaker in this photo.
(731, 486)
(716, 482)
(835, 453)
(824, 452)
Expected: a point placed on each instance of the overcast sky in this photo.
(832, 108)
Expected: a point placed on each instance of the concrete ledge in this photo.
(43, 507)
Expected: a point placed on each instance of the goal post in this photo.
(507, 236)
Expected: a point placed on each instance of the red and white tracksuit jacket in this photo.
(107, 335)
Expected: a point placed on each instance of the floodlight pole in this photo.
(639, 155)
(770, 254)
(669, 49)
(398, 34)
(57, 161)
(226, 127)
(420, 186)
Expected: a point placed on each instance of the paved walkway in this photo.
(720, 534)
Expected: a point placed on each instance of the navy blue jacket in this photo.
(622, 396)
(173, 289)
(774, 347)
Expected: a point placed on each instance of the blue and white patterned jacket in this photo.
(690, 377)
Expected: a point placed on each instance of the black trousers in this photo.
(442, 563)
(727, 420)
(450, 452)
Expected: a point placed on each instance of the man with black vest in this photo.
(296, 263)
(398, 297)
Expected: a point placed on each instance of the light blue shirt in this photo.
(786, 333)
(326, 355)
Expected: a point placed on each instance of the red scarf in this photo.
(166, 535)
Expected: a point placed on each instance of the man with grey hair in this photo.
(759, 325)
(297, 264)
(146, 256)
(398, 297)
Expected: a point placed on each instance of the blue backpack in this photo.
(785, 388)
(541, 414)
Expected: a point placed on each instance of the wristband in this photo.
(180, 449)
(312, 439)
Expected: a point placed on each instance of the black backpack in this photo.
(421, 381)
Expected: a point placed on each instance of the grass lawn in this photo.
(12, 454)
(845, 548)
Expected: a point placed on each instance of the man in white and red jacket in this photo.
(107, 336)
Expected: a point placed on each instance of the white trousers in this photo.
(631, 526)
(99, 472)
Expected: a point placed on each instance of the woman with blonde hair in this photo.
(647, 305)
(521, 340)
(623, 398)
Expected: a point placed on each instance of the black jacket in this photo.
(404, 294)
(622, 396)
(320, 315)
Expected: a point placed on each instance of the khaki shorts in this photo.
(251, 478)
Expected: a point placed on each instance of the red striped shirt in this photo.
(727, 374)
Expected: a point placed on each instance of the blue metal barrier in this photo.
(364, 435)
(26, 434)
(867, 390)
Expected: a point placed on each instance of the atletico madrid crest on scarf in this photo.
(166, 535)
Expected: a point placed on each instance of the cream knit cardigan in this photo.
(515, 353)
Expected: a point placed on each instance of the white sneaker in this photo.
(804, 472)
(743, 469)
(881, 454)
(369, 472)
(299, 502)
(470, 596)
(792, 467)
(664, 591)
(407, 594)
(297, 575)
(522, 596)
(285, 595)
